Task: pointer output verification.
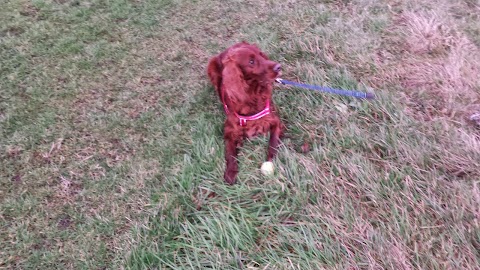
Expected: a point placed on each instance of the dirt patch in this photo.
(29, 11)
(64, 222)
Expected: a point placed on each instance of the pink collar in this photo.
(244, 119)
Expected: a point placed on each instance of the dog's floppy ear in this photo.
(233, 81)
(214, 71)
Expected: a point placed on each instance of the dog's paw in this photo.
(230, 177)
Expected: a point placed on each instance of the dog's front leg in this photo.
(275, 135)
(233, 142)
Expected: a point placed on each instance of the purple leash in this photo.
(328, 89)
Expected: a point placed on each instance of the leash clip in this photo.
(278, 80)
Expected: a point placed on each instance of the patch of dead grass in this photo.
(435, 63)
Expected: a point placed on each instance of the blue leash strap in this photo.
(329, 90)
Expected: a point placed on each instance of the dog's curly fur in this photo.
(243, 76)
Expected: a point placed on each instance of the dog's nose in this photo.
(277, 68)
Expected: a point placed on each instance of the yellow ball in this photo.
(267, 168)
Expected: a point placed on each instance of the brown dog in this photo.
(243, 77)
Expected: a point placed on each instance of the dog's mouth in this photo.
(277, 69)
(276, 75)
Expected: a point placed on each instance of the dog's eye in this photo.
(252, 62)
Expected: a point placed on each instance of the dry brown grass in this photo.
(434, 61)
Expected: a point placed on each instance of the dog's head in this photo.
(244, 66)
(247, 61)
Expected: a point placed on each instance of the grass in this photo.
(111, 137)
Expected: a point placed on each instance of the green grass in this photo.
(111, 137)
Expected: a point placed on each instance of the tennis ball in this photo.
(267, 168)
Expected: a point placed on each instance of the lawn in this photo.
(111, 142)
